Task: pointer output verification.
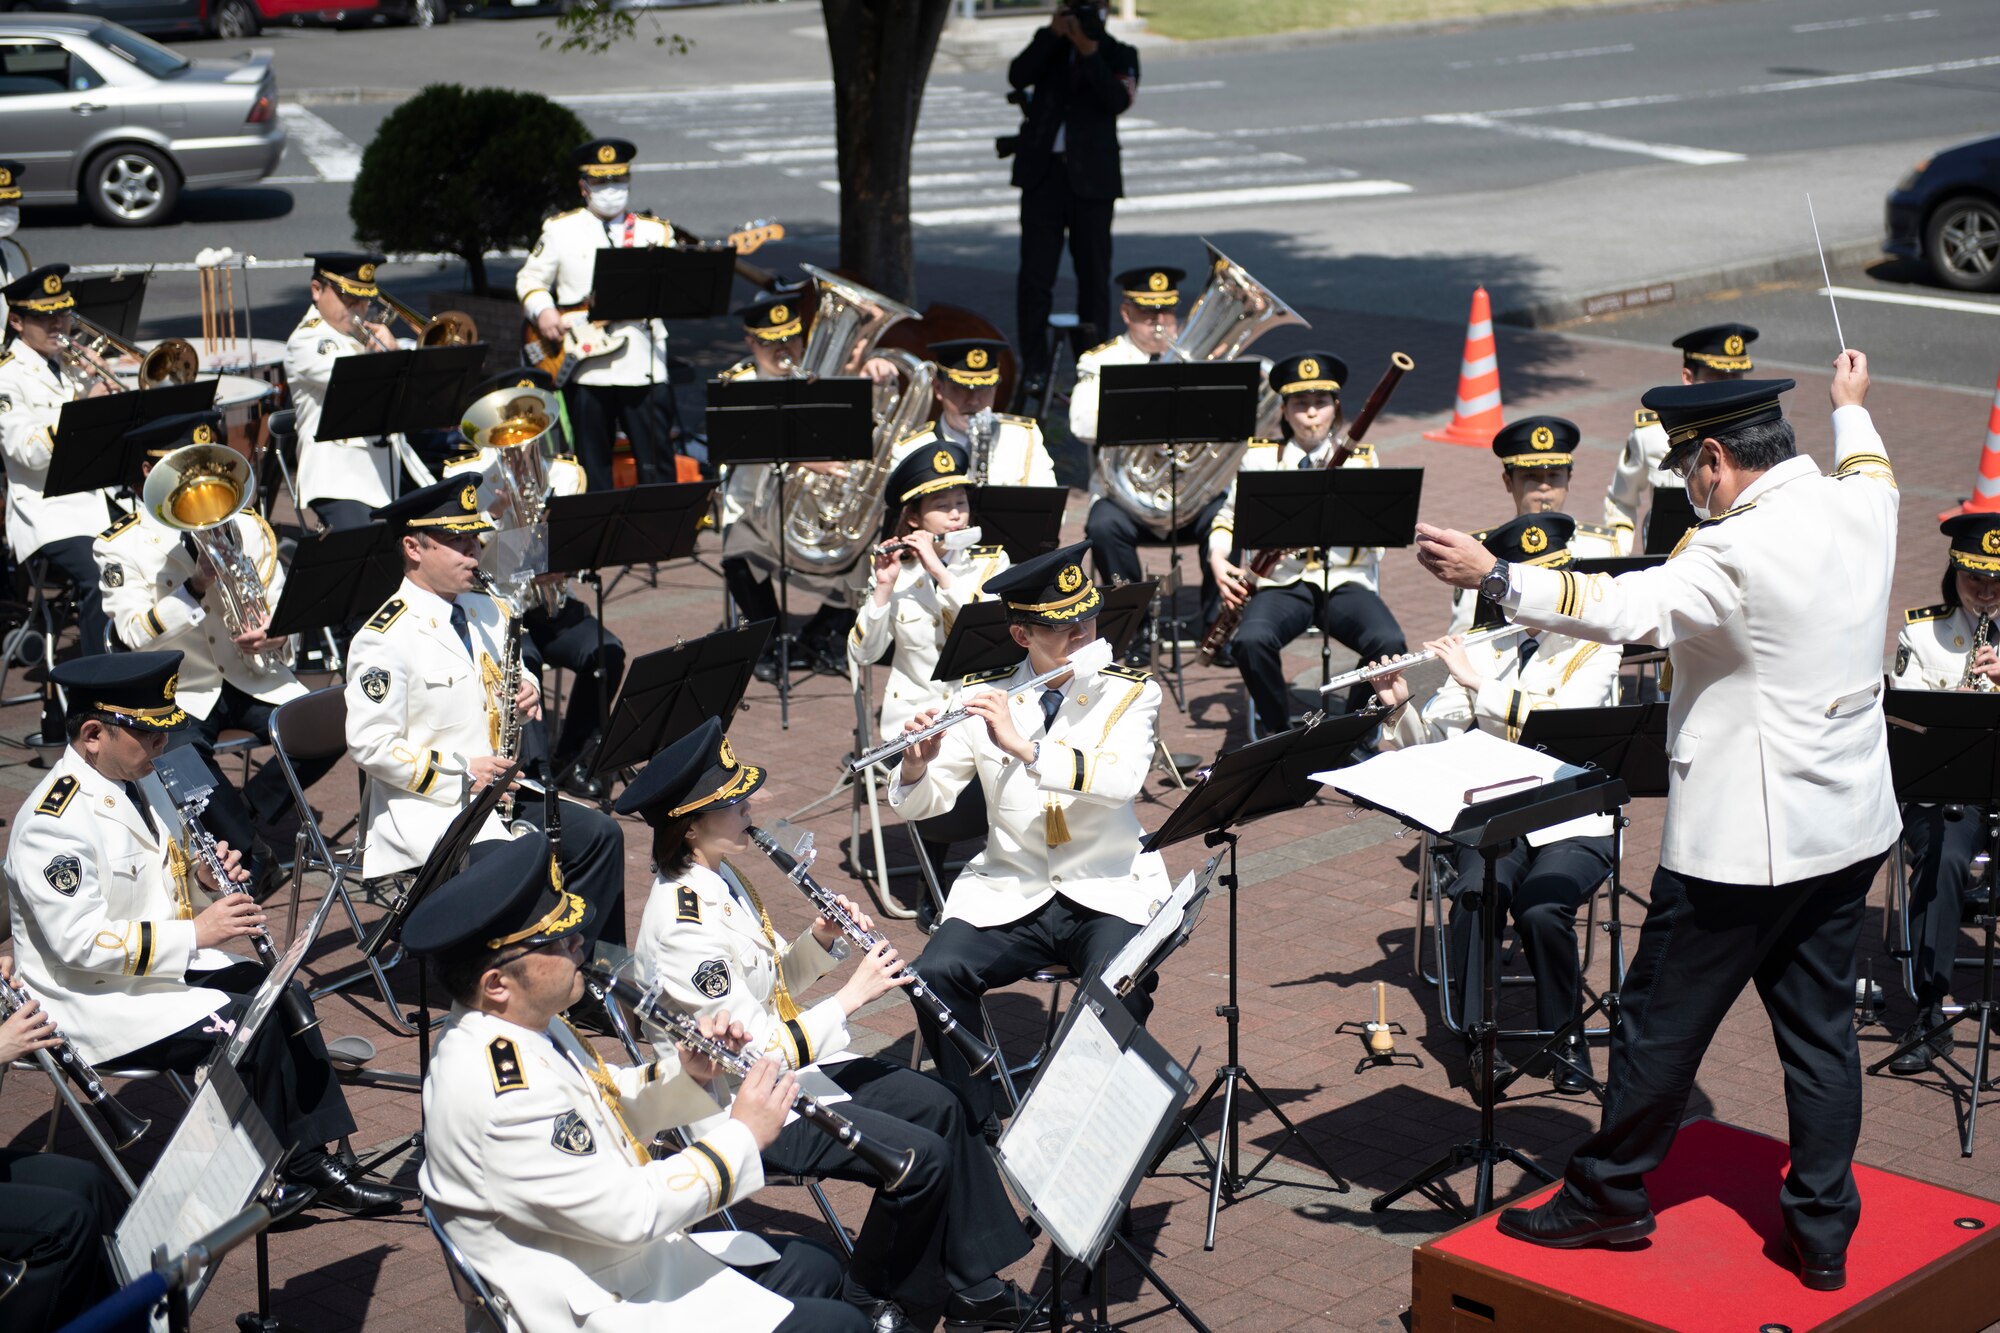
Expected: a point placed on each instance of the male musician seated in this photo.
(35, 381)
(1333, 587)
(1708, 355)
(1542, 881)
(1061, 879)
(968, 375)
(1537, 456)
(120, 931)
(568, 636)
(1150, 309)
(622, 384)
(427, 694)
(339, 480)
(536, 1154)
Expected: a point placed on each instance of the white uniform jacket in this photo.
(1935, 645)
(104, 912)
(1083, 398)
(418, 710)
(1094, 760)
(31, 402)
(351, 469)
(515, 546)
(703, 935)
(559, 272)
(534, 1175)
(1591, 542)
(1561, 673)
(916, 622)
(1637, 472)
(1772, 614)
(1017, 458)
(144, 568)
(1342, 564)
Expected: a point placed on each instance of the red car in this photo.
(236, 19)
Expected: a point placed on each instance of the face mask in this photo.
(608, 201)
(1700, 510)
(10, 219)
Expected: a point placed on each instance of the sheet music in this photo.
(1079, 1136)
(1428, 785)
(1167, 918)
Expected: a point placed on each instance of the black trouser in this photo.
(1942, 840)
(808, 1276)
(597, 411)
(1116, 536)
(962, 962)
(755, 596)
(1049, 209)
(71, 558)
(592, 859)
(569, 639)
(1353, 615)
(54, 1215)
(287, 1076)
(1541, 888)
(265, 807)
(1702, 942)
(952, 1197)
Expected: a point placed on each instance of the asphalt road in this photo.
(1546, 159)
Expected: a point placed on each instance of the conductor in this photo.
(1779, 802)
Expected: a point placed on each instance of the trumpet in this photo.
(977, 1053)
(892, 1166)
(1361, 673)
(1093, 656)
(172, 360)
(449, 328)
(199, 489)
(126, 1127)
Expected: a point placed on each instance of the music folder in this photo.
(90, 452)
(413, 389)
(662, 282)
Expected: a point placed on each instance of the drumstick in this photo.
(229, 283)
(1838, 335)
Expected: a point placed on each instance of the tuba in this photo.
(829, 521)
(198, 489)
(89, 350)
(1233, 311)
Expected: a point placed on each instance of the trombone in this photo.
(87, 350)
(449, 328)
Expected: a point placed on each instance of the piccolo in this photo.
(892, 1166)
(126, 1127)
(977, 1053)
(1093, 656)
(1361, 673)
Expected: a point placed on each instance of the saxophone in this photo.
(504, 724)
(981, 429)
(1978, 681)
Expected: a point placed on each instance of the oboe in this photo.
(976, 1052)
(126, 1128)
(892, 1166)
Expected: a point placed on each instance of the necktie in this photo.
(145, 813)
(1527, 650)
(1051, 702)
(1305, 463)
(464, 632)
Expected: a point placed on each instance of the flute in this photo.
(126, 1127)
(1093, 656)
(950, 541)
(1361, 673)
(977, 1053)
(892, 1166)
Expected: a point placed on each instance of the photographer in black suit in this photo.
(1078, 80)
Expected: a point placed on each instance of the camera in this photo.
(1088, 17)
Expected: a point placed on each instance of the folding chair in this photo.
(483, 1303)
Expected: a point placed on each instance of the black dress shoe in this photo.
(1570, 1075)
(1915, 1060)
(1475, 1067)
(333, 1188)
(1565, 1224)
(1823, 1270)
(1005, 1309)
(584, 786)
(887, 1317)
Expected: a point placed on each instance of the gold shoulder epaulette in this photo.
(687, 906)
(1101, 347)
(462, 456)
(1642, 417)
(1017, 420)
(1124, 672)
(650, 217)
(985, 552)
(6, 356)
(1918, 615)
(746, 367)
(1260, 443)
(1714, 519)
(58, 797)
(981, 677)
(1594, 529)
(310, 322)
(921, 435)
(119, 526)
(387, 615)
(508, 1076)
(1481, 535)
(567, 212)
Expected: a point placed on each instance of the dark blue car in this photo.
(1946, 212)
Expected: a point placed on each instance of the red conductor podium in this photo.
(1924, 1258)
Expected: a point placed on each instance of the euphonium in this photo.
(1233, 311)
(1978, 681)
(199, 490)
(522, 425)
(86, 347)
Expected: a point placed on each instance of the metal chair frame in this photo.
(473, 1291)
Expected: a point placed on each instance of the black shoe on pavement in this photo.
(1475, 1067)
(584, 786)
(1006, 1309)
(1562, 1223)
(333, 1188)
(1569, 1074)
(887, 1317)
(1823, 1270)
(1915, 1060)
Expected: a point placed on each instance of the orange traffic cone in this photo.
(1475, 418)
(1986, 490)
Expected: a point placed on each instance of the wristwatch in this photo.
(1494, 586)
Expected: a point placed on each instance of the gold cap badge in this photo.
(167, 690)
(1308, 369)
(1158, 282)
(1534, 540)
(1070, 579)
(203, 435)
(555, 874)
(1733, 345)
(366, 273)
(942, 461)
(1543, 438)
(607, 153)
(52, 284)
(468, 499)
(780, 314)
(976, 359)
(726, 756)
(1989, 541)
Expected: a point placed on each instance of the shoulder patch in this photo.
(122, 525)
(64, 874)
(1642, 417)
(1726, 514)
(375, 683)
(508, 1076)
(61, 792)
(1124, 672)
(981, 677)
(572, 1136)
(386, 617)
(114, 574)
(687, 905)
(712, 978)
(1921, 614)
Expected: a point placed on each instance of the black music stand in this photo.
(648, 282)
(1944, 747)
(1262, 778)
(1489, 826)
(980, 640)
(778, 422)
(336, 576)
(410, 389)
(670, 692)
(1669, 515)
(112, 302)
(92, 451)
(1317, 508)
(1027, 520)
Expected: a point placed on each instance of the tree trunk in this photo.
(475, 267)
(881, 52)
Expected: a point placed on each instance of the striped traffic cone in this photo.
(1986, 490)
(1475, 417)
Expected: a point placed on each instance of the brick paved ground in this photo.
(1327, 912)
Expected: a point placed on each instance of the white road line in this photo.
(1828, 26)
(1538, 57)
(1181, 202)
(1138, 166)
(1898, 298)
(1610, 143)
(962, 147)
(985, 131)
(1198, 86)
(722, 93)
(335, 156)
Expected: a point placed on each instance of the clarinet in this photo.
(976, 1052)
(893, 1167)
(126, 1128)
(299, 1016)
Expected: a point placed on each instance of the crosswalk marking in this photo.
(333, 155)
